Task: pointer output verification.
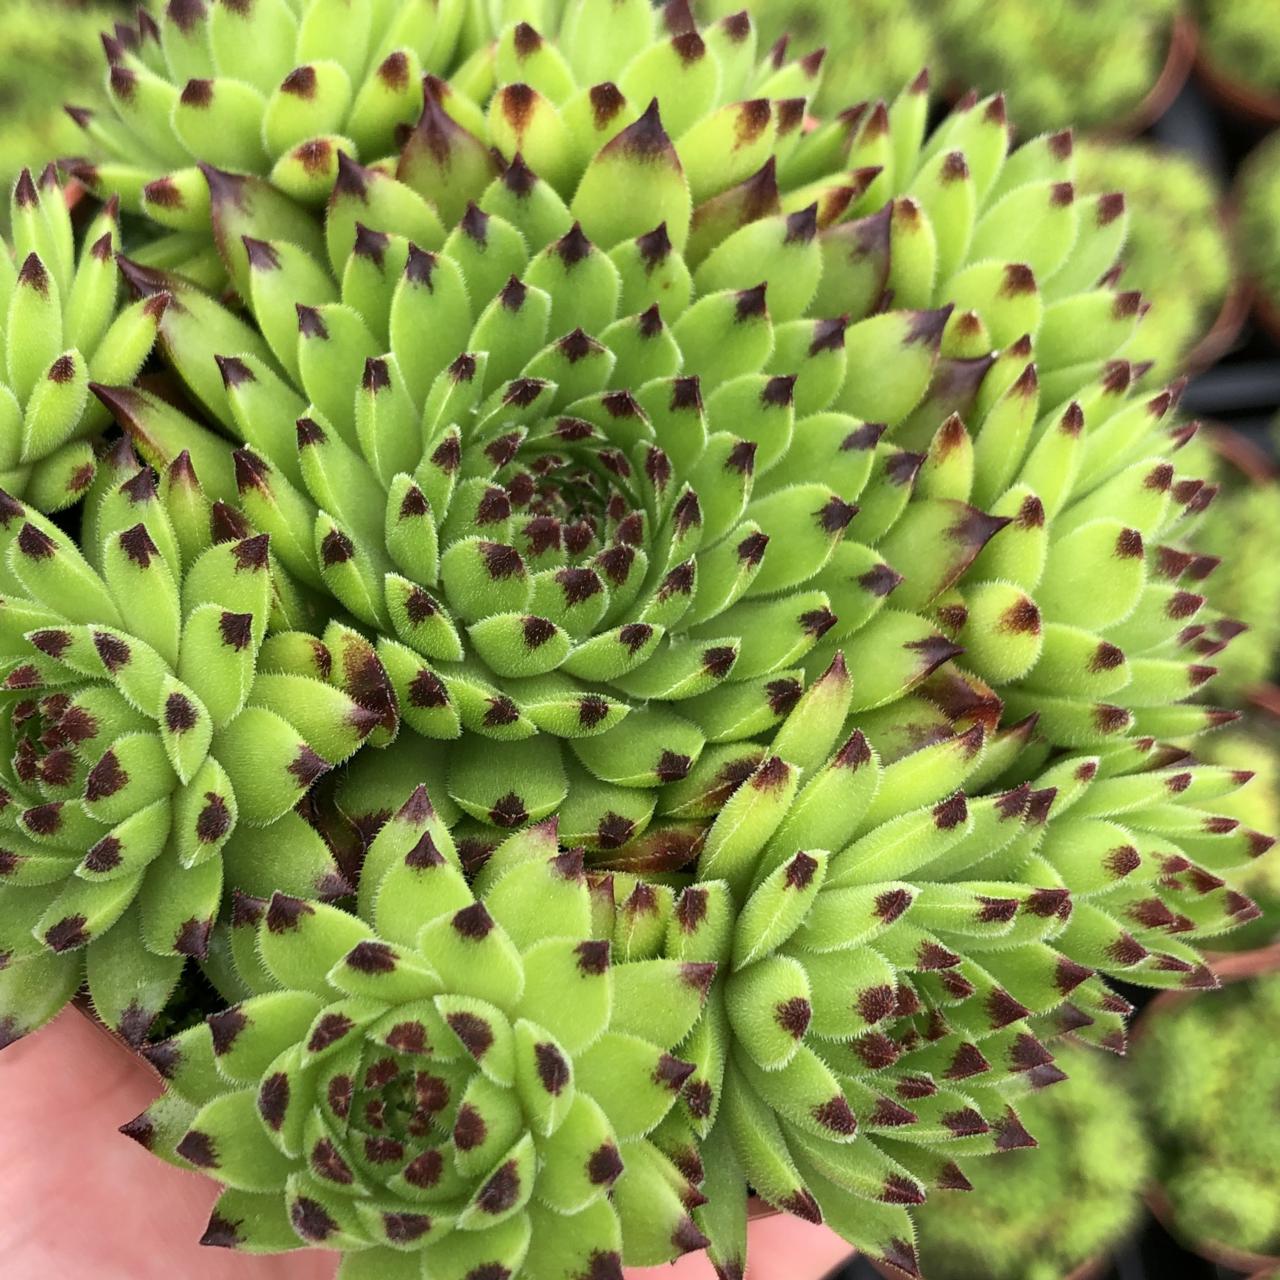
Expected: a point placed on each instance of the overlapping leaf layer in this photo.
(746, 530)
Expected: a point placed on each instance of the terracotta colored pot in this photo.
(1257, 106)
(1266, 311)
(1183, 39)
(1245, 455)
(1224, 331)
(1222, 1255)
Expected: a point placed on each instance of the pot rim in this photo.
(1184, 38)
(1223, 1255)
(1238, 96)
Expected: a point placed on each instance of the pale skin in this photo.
(81, 1200)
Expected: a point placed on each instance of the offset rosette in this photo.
(451, 1086)
(150, 759)
(276, 93)
(58, 312)
(897, 938)
(270, 88)
(1084, 611)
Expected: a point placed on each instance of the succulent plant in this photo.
(764, 511)
(1240, 42)
(41, 57)
(1081, 62)
(1177, 253)
(1260, 217)
(448, 1085)
(153, 752)
(62, 332)
(1039, 1215)
(1211, 1096)
(1253, 747)
(1248, 584)
(872, 47)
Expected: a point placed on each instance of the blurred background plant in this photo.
(1038, 1215)
(1211, 1085)
(1087, 63)
(873, 47)
(1260, 219)
(1240, 42)
(49, 50)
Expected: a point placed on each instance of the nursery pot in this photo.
(1229, 969)
(1221, 336)
(1257, 106)
(1183, 39)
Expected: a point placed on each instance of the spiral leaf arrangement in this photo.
(452, 1086)
(151, 745)
(736, 547)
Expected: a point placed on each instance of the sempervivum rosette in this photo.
(151, 754)
(450, 1086)
(897, 938)
(765, 510)
(61, 332)
(277, 92)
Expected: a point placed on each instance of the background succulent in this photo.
(1211, 1099)
(152, 754)
(1066, 62)
(873, 47)
(1177, 252)
(1260, 216)
(1040, 1215)
(766, 512)
(448, 1086)
(42, 55)
(61, 332)
(1239, 41)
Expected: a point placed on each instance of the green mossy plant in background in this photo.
(1087, 63)
(1209, 1086)
(1260, 218)
(48, 51)
(1177, 253)
(1240, 41)
(760, 524)
(1040, 1215)
(871, 47)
